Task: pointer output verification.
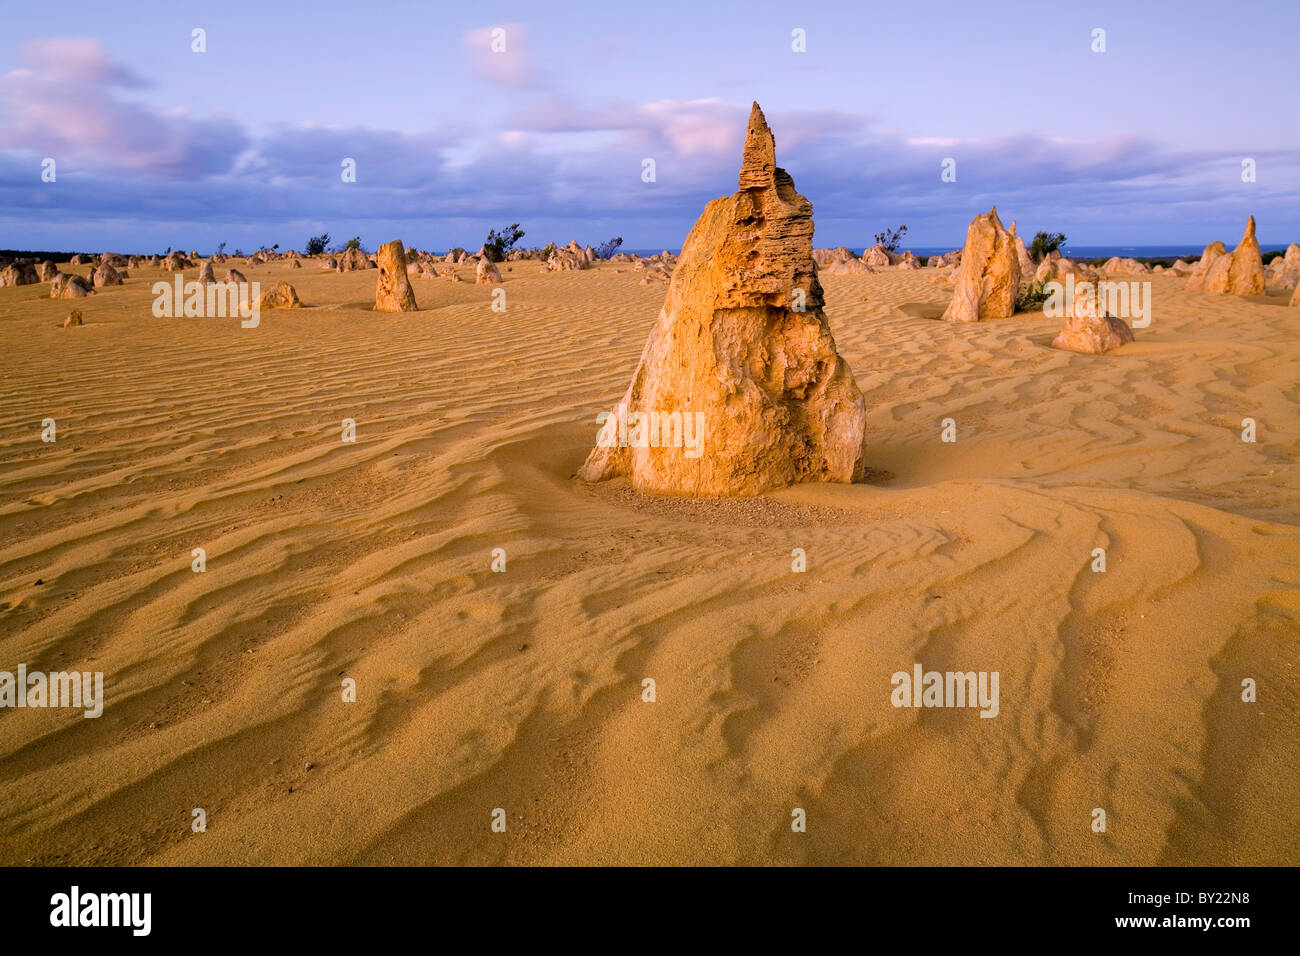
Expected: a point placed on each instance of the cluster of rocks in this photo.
(1284, 271)
(354, 260)
(1130, 267)
(570, 257)
(842, 261)
(65, 286)
(1240, 272)
(656, 268)
(105, 275)
(19, 272)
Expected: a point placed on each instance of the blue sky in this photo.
(159, 146)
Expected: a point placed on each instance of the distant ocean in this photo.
(1073, 252)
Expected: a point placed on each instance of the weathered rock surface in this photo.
(175, 262)
(104, 275)
(844, 267)
(1241, 272)
(1089, 330)
(826, 256)
(283, 296)
(393, 291)
(569, 257)
(1120, 266)
(73, 319)
(876, 256)
(1284, 271)
(69, 287)
(741, 347)
(352, 260)
(486, 272)
(19, 273)
(1022, 254)
(989, 275)
(1200, 270)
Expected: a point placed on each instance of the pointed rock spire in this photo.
(1240, 272)
(740, 389)
(758, 163)
(989, 275)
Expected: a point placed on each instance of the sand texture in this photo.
(522, 689)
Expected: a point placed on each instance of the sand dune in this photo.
(522, 689)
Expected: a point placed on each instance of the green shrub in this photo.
(1032, 296)
(1044, 243)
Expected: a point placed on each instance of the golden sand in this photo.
(522, 690)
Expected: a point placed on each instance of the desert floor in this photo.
(522, 690)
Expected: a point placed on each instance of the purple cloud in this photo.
(66, 103)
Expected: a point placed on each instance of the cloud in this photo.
(75, 62)
(577, 165)
(66, 103)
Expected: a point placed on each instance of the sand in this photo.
(522, 690)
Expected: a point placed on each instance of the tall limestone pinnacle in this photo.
(1240, 272)
(740, 389)
(989, 275)
(758, 163)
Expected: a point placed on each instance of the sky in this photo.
(156, 145)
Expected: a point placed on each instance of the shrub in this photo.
(1032, 296)
(499, 243)
(1044, 243)
(316, 244)
(608, 247)
(889, 239)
